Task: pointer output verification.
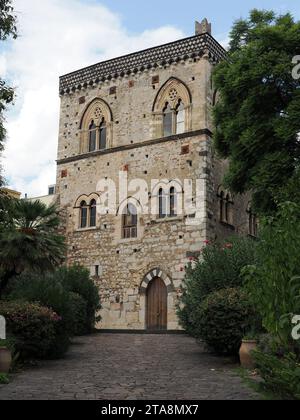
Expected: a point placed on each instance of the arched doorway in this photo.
(157, 305)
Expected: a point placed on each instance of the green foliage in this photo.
(258, 116)
(4, 379)
(77, 279)
(78, 306)
(281, 375)
(68, 291)
(274, 282)
(6, 205)
(219, 267)
(46, 290)
(36, 329)
(7, 29)
(7, 20)
(8, 343)
(31, 241)
(224, 318)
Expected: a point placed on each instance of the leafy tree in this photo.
(31, 241)
(257, 118)
(273, 282)
(7, 29)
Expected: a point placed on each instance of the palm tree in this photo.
(30, 240)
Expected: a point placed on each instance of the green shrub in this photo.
(219, 267)
(273, 282)
(280, 375)
(4, 379)
(46, 290)
(56, 290)
(35, 328)
(77, 279)
(224, 317)
(79, 310)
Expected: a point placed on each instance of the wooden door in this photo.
(157, 305)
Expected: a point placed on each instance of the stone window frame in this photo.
(77, 219)
(226, 204)
(170, 189)
(130, 222)
(119, 237)
(173, 93)
(99, 113)
(253, 222)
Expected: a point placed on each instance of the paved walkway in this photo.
(133, 367)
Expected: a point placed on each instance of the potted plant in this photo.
(5, 357)
(249, 344)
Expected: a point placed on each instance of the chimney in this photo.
(203, 27)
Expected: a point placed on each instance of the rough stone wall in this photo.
(165, 244)
(131, 105)
(240, 222)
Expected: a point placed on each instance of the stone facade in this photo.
(129, 94)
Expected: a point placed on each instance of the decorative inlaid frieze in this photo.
(192, 47)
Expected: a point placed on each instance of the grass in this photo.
(253, 381)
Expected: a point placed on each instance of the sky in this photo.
(59, 36)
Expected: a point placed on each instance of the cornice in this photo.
(171, 53)
(90, 155)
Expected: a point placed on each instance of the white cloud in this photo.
(56, 37)
(224, 40)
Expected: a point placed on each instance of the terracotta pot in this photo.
(5, 360)
(246, 357)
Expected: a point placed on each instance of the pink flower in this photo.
(228, 246)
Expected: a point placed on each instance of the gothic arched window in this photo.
(173, 202)
(172, 109)
(83, 215)
(168, 120)
(102, 135)
(225, 206)
(93, 212)
(92, 136)
(129, 222)
(222, 210)
(180, 118)
(174, 119)
(96, 127)
(253, 222)
(162, 204)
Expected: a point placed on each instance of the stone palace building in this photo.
(144, 120)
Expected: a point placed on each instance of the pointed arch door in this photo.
(157, 305)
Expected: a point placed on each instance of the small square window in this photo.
(185, 150)
(155, 80)
(64, 173)
(51, 190)
(113, 90)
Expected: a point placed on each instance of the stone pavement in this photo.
(133, 367)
